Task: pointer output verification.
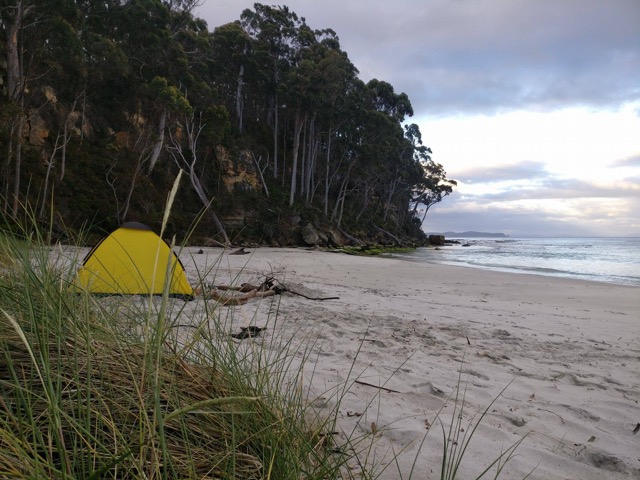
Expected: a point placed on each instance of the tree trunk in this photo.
(7, 170)
(365, 202)
(18, 164)
(15, 89)
(326, 176)
(303, 162)
(297, 129)
(426, 209)
(134, 179)
(197, 185)
(157, 148)
(275, 137)
(341, 195)
(192, 133)
(392, 189)
(15, 79)
(66, 136)
(239, 101)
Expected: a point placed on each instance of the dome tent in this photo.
(133, 260)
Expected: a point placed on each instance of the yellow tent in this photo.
(133, 260)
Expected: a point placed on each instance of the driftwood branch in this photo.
(311, 298)
(376, 386)
(231, 300)
(282, 288)
(267, 288)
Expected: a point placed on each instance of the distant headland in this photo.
(474, 234)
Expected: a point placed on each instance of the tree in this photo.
(274, 31)
(231, 54)
(13, 16)
(185, 154)
(432, 189)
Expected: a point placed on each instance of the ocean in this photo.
(611, 260)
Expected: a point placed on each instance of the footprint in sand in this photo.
(605, 461)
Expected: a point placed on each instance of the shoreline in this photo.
(618, 272)
(567, 350)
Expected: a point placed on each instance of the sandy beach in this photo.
(568, 353)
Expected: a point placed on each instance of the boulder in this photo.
(334, 238)
(437, 240)
(310, 235)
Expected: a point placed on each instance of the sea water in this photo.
(612, 260)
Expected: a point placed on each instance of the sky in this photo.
(533, 106)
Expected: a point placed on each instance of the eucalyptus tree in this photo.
(40, 47)
(336, 77)
(432, 190)
(275, 34)
(328, 75)
(432, 184)
(379, 165)
(231, 55)
(14, 15)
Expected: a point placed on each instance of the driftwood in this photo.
(230, 299)
(240, 251)
(376, 386)
(310, 298)
(267, 288)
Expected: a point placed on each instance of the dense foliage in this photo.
(103, 101)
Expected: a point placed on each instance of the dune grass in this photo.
(119, 388)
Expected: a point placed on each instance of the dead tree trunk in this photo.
(193, 130)
(159, 143)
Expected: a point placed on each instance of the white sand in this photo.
(568, 350)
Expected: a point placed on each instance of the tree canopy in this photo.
(102, 103)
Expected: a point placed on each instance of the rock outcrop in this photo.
(437, 240)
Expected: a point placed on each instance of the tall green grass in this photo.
(121, 388)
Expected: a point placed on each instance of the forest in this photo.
(102, 103)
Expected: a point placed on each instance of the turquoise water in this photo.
(612, 260)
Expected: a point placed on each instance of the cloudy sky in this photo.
(533, 106)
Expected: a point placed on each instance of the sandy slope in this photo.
(569, 352)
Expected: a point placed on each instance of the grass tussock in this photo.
(95, 389)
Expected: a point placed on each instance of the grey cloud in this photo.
(514, 222)
(628, 162)
(562, 189)
(525, 170)
(488, 216)
(485, 55)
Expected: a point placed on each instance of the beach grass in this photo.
(121, 388)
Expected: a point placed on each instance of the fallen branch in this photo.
(396, 239)
(267, 288)
(376, 386)
(310, 298)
